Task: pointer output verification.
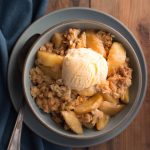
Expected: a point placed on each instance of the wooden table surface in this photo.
(135, 14)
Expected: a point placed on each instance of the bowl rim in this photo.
(75, 136)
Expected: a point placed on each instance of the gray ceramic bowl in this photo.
(134, 93)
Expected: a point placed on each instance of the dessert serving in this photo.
(81, 78)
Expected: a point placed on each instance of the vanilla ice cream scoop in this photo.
(83, 68)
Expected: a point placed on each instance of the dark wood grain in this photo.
(135, 14)
(58, 4)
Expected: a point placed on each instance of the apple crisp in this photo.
(91, 107)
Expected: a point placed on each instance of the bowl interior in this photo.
(134, 89)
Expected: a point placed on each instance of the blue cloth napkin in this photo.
(15, 16)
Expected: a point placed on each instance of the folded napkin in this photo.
(15, 16)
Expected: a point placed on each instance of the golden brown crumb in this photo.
(107, 40)
(35, 91)
(118, 82)
(36, 75)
